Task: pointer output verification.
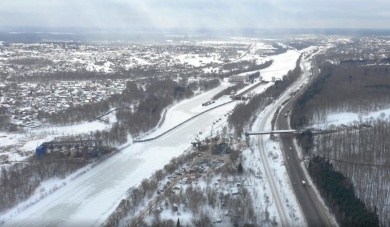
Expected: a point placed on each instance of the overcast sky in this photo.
(196, 13)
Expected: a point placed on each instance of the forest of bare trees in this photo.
(19, 181)
(146, 189)
(244, 66)
(363, 155)
(343, 89)
(228, 90)
(360, 152)
(139, 107)
(4, 119)
(31, 61)
(191, 198)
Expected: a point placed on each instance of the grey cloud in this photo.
(195, 13)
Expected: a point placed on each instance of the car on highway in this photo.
(304, 183)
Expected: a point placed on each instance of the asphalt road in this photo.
(311, 207)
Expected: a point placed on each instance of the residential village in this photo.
(28, 99)
(28, 71)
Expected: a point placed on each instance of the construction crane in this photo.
(197, 143)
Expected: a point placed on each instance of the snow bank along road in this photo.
(313, 214)
(265, 125)
(267, 170)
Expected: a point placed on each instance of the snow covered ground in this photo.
(348, 118)
(190, 107)
(286, 207)
(284, 63)
(91, 197)
(261, 185)
(284, 204)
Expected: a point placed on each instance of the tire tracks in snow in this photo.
(267, 170)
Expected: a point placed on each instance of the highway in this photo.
(265, 125)
(312, 209)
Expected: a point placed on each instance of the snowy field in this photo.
(91, 197)
(349, 118)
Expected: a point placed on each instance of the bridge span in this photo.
(291, 132)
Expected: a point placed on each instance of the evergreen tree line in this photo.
(243, 113)
(339, 194)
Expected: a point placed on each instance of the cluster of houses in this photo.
(24, 101)
(18, 58)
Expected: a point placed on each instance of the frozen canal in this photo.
(89, 199)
